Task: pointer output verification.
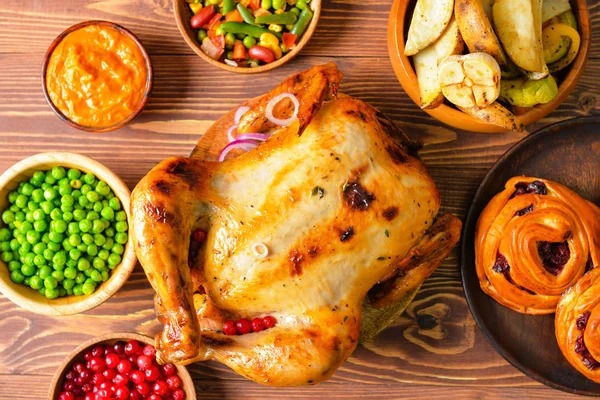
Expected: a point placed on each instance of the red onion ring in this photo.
(261, 137)
(239, 113)
(244, 144)
(230, 137)
(271, 104)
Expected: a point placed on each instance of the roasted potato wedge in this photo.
(427, 61)
(476, 29)
(429, 20)
(519, 27)
(553, 8)
(495, 114)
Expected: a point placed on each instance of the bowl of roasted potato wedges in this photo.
(489, 65)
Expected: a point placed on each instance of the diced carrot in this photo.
(234, 16)
(254, 5)
(239, 51)
(289, 40)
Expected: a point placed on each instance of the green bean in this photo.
(302, 23)
(246, 14)
(250, 30)
(285, 18)
(228, 6)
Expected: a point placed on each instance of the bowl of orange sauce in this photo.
(97, 76)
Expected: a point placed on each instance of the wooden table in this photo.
(451, 359)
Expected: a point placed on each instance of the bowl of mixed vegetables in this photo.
(247, 36)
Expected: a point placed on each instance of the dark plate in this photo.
(568, 153)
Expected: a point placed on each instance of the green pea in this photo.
(38, 176)
(32, 205)
(249, 41)
(96, 276)
(67, 200)
(202, 35)
(118, 248)
(73, 174)
(40, 226)
(114, 203)
(56, 237)
(45, 237)
(99, 263)
(103, 255)
(85, 225)
(39, 215)
(97, 207)
(45, 272)
(92, 249)
(83, 201)
(60, 258)
(35, 282)
(19, 216)
(15, 245)
(76, 184)
(28, 259)
(98, 226)
(114, 259)
(67, 216)
(17, 276)
(70, 272)
(4, 234)
(27, 189)
(48, 254)
(5, 246)
(39, 260)
(9, 217)
(266, 4)
(88, 272)
(279, 4)
(92, 196)
(77, 290)
(58, 275)
(29, 216)
(6, 256)
(37, 195)
(74, 254)
(66, 245)
(87, 238)
(33, 236)
(60, 226)
(68, 283)
(50, 180)
(103, 189)
(51, 294)
(82, 247)
(21, 201)
(73, 228)
(88, 178)
(88, 288)
(92, 216)
(80, 278)
(295, 10)
(74, 240)
(49, 194)
(47, 207)
(58, 172)
(105, 275)
(39, 248)
(107, 213)
(53, 246)
(65, 190)
(121, 226)
(110, 242)
(109, 232)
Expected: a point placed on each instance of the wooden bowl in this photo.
(109, 339)
(149, 79)
(183, 14)
(31, 299)
(399, 20)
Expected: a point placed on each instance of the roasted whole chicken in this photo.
(344, 219)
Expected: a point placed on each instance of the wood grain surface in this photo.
(409, 360)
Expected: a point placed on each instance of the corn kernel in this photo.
(275, 28)
(279, 12)
(195, 7)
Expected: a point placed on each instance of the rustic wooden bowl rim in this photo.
(149, 78)
(451, 116)
(57, 379)
(179, 10)
(30, 299)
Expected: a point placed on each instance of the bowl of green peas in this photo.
(64, 234)
(247, 36)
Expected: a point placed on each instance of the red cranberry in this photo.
(90, 396)
(98, 378)
(109, 374)
(178, 394)
(122, 393)
(154, 396)
(119, 348)
(69, 386)
(109, 350)
(149, 350)
(78, 381)
(160, 388)
(112, 360)
(144, 362)
(132, 347)
(169, 369)
(243, 326)
(229, 328)
(88, 355)
(87, 388)
(120, 380)
(132, 359)
(66, 396)
(143, 389)
(98, 351)
(78, 367)
(174, 382)
(152, 373)
(86, 375)
(124, 366)
(69, 376)
(257, 325)
(135, 395)
(269, 321)
(104, 385)
(137, 376)
(103, 393)
(501, 264)
(97, 364)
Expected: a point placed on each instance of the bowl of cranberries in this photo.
(119, 366)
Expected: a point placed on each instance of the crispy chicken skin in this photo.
(340, 206)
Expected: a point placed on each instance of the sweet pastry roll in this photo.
(576, 325)
(533, 241)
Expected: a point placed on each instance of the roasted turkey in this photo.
(344, 216)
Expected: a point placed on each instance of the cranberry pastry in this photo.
(576, 325)
(533, 241)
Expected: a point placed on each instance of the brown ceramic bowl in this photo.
(187, 385)
(399, 20)
(183, 14)
(147, 91)
(31, 299)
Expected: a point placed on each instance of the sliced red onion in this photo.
(230, 137)
(246, 144)
(252, 136)
(238, 114)
(271, 104)
(231, 63)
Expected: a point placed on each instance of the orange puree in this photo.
(96, 76)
